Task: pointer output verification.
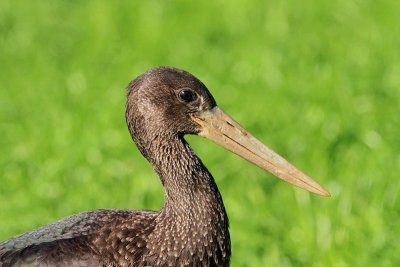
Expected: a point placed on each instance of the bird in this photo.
(191, 229)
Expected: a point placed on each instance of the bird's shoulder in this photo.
(70, 238)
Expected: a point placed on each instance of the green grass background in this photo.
(318, 81)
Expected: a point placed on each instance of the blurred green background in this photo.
(318, 81)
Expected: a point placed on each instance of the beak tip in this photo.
(324, 193)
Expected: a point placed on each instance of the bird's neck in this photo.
(193, 205)
(186, 180)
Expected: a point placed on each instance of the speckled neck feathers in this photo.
(192, 227)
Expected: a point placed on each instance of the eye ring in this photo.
(187, 95)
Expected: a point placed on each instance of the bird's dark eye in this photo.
(187, 95)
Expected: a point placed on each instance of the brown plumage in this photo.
(191, 229)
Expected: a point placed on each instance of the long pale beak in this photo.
(223, 130)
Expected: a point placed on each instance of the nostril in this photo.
(230, 124)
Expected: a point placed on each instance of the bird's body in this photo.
(114, 238)
(191, 229)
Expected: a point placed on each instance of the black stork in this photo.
(191, 229)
